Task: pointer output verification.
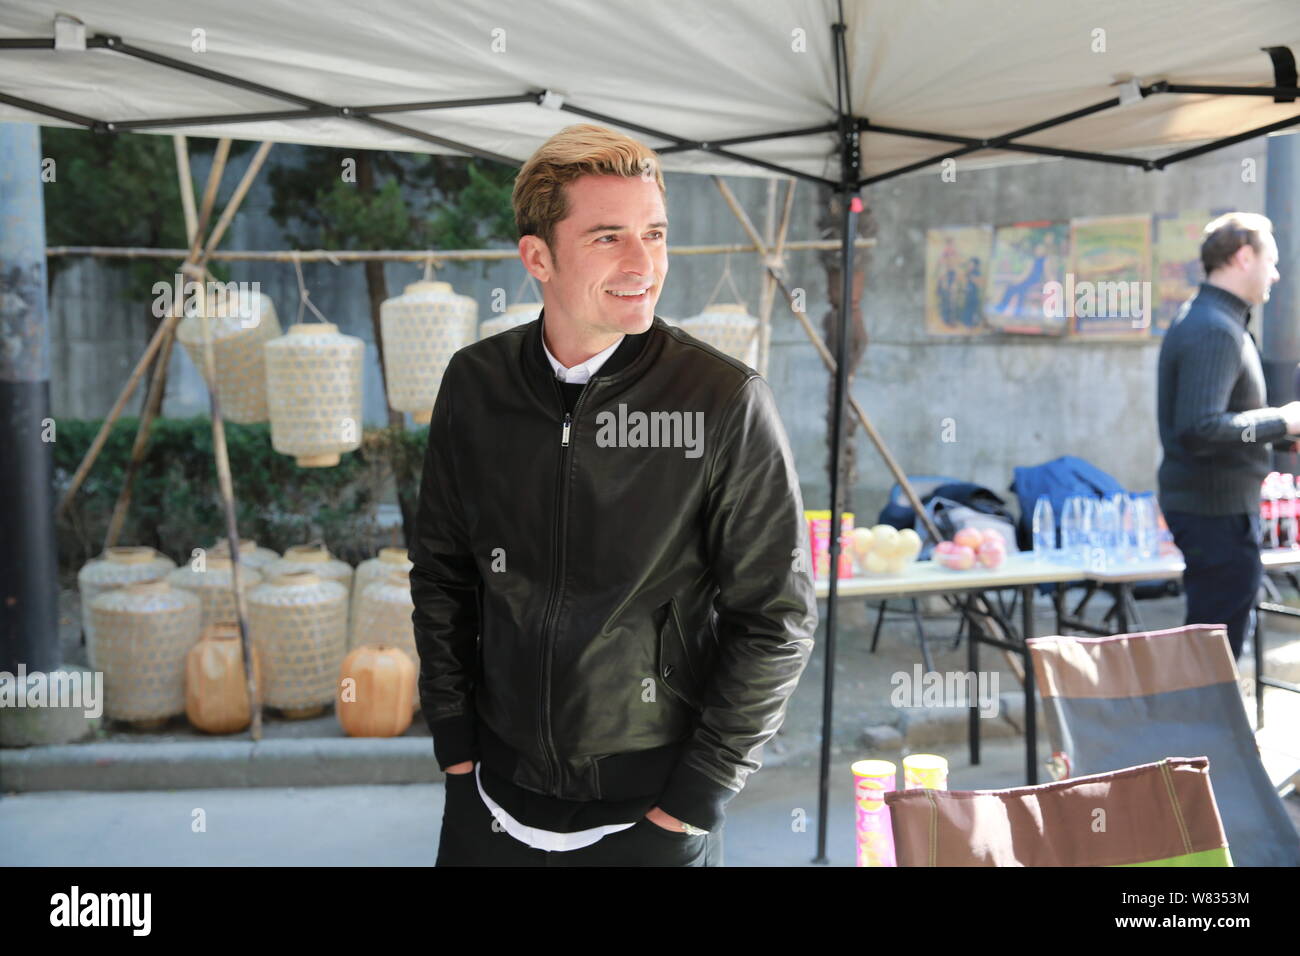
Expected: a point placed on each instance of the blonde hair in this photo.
(1225, 235)
(581, 150)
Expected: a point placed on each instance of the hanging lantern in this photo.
(374, 569)
(144, 630)
(299, 622)
(383, 616)
(517, 314)
(213, 586)
(376, 684)
(315, 558)
(313, 387)
(422, 328)
(216, 690)
(239, 326)
(116, 567)
(728, 328)
(249, 553)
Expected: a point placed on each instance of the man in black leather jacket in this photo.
(612, 585)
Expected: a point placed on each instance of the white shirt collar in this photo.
(583, 371)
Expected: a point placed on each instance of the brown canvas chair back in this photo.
(1155, 814)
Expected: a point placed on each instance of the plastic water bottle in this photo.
(1044, 530)
(1146, 528)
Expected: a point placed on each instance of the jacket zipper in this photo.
(557, 578)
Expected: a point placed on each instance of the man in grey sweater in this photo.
(1215, 426)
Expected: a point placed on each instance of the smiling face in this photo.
(613, 240)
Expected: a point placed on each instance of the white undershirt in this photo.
(583, 371)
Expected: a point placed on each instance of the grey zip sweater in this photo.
(1215, 426)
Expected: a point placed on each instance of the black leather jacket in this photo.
(602, 619)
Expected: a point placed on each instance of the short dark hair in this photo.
(1225, 235)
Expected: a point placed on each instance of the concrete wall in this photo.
(1012, 401)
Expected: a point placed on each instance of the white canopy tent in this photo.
(728, 88)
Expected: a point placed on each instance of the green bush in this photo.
(176, 499)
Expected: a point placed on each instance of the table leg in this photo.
(1258, 641)
(1031, 716)
(973, 665)
(1121, 607)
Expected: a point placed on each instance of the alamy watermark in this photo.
(651, 430)
(946, 689)
(184, 296)
(1098, 300)
(81, 689)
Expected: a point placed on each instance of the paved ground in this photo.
(398, 824)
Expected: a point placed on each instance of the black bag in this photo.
(951, 516)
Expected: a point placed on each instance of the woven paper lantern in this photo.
(376, 684)
(313, 390)
(383, 616)
(314, 558)
(116, 567)
(374, 569)
(728, 328)
(515, 315)
(212, 586)
(216, 690)
(144, 631)
(240, 326)
(249, 553)
(299, 623)
(422, 328)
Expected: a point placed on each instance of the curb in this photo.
(313, 762)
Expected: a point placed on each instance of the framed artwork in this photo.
(1176, 262)
(1027, 258)
(1108, 291)
(956, 270)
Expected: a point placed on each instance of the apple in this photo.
(909, 543)
(944, 547)
(992, 554)
(886, 536)
(993, 535)
(968, 538)
(960, 559)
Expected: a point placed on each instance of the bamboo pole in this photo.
(404, 255)
(215, 173)
(186, 186)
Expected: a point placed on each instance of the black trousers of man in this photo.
(469, 838)
(1223, 572)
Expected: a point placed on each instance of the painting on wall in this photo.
(1177, 262)
(956, 267)
(1108, 292)
(1027, 257)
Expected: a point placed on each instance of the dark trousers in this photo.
(469, 838)
(1223, 570)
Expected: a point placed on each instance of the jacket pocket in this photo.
(678, 670)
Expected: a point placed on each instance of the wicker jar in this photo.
(384, 617)
(249, 553)
(517, 314)
(216, 690)
(313, 391)
(315, 558)
(299, 623)
(422, 328)
(376, 683)
(116, 567)
(144, 631)
(370, 570)
(728, 328)
(213, 586)
(239, 327)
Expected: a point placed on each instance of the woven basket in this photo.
(517, 314)
(422, 328)
(314, 558)
(249, 553)
(314, 391)
(298, 622)
(728, 328)
(374, 569)
(144, 630)
(116, 567)
(384, 617)
(240, 327)
(212, 586)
